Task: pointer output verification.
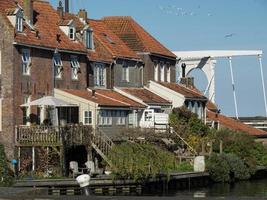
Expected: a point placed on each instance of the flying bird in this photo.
(229, 35)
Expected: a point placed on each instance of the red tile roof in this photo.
(110, 41)
(233, 124)
(135, 36)
(146, 96)
(185, 91)
(105, 98)
(46, 23)
(119, 97)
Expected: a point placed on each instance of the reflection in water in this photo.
(253, 188)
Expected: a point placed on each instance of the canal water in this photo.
(253, 188)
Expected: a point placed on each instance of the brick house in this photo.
(159, 62)
(30, 49)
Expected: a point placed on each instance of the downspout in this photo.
(110, 75)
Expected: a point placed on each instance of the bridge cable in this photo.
(233, 86)
(263, 84)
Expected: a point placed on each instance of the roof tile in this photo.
(135, 36)
(235, 125)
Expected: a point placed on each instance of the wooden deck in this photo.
(52, 136)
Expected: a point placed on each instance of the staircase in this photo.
(102, 144)
(191, 153)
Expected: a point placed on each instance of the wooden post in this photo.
(211, 147)
(19, 159)
(202, 148)
(33, 158)
(221, 146)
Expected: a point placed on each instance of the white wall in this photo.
(166, 93)
(84, 105)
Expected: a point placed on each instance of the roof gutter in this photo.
(155, 54)
(125, 58)
(49, 48)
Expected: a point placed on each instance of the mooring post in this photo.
(84, 181)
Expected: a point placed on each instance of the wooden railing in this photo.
(102, 144)
(53, 136)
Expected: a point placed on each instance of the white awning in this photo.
(48, 101)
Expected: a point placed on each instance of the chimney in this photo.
(187, 82)
(82, 14)
(28, 10)
(60, 10)
(66, 6)
(183, 69)
(93, 93)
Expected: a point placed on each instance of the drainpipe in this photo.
(110, 75)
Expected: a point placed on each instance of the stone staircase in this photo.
(102, 144)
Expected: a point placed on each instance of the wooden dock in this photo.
(106, 185)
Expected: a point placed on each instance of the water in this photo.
(253, 188)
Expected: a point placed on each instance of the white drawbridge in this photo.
(206, 61)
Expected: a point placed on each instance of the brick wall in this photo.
(6, 40)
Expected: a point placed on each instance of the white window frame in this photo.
(72, 33)
(27, 99)
(125, 72)
(156, 69)
(87, 117)
(162, 72)
(121, 117)
(75, 67)
(99, 75)
(168, 73)
(58, 66)
(89, 39)
(26, 61)
(19, 22)
(105, 118)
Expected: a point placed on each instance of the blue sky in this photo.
(202, 25)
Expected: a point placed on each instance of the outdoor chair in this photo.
(75, 169)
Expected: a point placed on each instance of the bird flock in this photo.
(178, 11)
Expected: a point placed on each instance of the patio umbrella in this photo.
(48, 101)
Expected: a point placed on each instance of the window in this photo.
(105, 117)
(162, 72)
(75, 67)
(155, 72)
(19, 23)
(87, 117)
(26, 60)
(121, 117)
(125, 73)
(58, 66)
(72, 33)
(26, 110)
(99, 75)
(169, 73)
(108, 38)
(89, 39)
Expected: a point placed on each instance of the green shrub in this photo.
(227, 168)
(6, 175)
(140, 161)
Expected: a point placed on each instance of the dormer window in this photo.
(26, 61)
(58, 66)
(89, 39)
(19, 23)
(75, 67)
(72, 33)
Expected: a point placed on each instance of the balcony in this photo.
(53, 136)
